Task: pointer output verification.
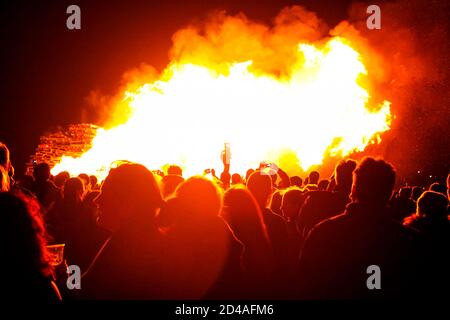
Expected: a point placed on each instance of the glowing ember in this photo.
(320, 108)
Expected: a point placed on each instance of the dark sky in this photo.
(47, 71)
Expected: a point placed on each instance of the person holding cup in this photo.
(28, 273)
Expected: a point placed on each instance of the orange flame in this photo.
(319, 108)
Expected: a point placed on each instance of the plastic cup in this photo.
(56, 252)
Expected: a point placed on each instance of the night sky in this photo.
(48, 71)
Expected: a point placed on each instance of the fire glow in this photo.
(319, 109)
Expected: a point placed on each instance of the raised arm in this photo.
(225, 175)
(285, 181)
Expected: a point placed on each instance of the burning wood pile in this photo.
(73, 141)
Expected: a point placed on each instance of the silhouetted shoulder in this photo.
(329, 226)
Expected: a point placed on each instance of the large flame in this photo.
(320, 108)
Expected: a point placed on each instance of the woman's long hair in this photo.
(23, 237)
(242, 213)
(4, 180)
(244, 216)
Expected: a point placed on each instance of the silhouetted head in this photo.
(323, 184)
(344, 175)
(275, 202)
(242, 213)
(41, 172)
(61, 178)
(416, 192)
(86, 180)
(236, 178)
(199, 198)
(248, 174)
(169, 184)
(260, 185)
(73, 190)
(296, 181)
(22, 239)
(4, 156)
(313, 177)
(373, 182)
(93, 181)
(176, 170)
(225, 177)
(405, 192)
(432, 204)
(129, 195)
(292, 201)
(438, 187)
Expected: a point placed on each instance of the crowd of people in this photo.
(144, 234)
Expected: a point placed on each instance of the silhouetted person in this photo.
(90, 202)
(275, 202)
(339, 250)
(129, 265)
(244, 216)
(438, 187)
(27, 274)
(431, 219)
(236, 179)
(416, 193)
(296, 181)
(405, 192)
(44, 189)
(323, 185)
(61, 178)
(260, 185)
(204, 256)
(402, 206)
(285, 182)
(4, 156)
(176, 170)
(93, 181)
(72, 222)
(225, 176)
(321, 205)
(313, 177)
(293, 200)
(248, 173)
(169, 183)
(5, 162)
(332, 183)
(86, 181)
